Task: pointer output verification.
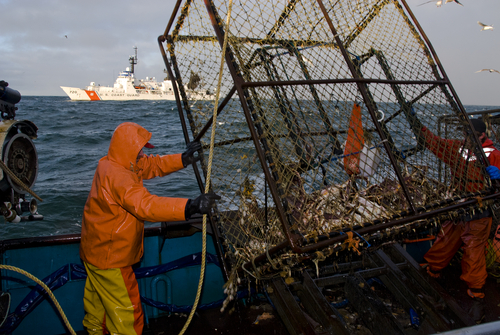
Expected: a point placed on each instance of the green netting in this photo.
(293, 181)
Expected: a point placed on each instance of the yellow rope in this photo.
(46, 288)
(209, 172)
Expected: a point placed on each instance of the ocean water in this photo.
(73, 136)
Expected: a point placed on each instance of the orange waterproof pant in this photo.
(112, 302)
(473, 235)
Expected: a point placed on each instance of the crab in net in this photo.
(354, 203)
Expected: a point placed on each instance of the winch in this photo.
(19, 161)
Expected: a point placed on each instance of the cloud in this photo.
(37, 58)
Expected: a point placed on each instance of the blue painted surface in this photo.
(41, 262)
(174, 287)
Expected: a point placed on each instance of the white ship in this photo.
(127, 87)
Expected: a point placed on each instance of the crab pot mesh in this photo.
(336, 128)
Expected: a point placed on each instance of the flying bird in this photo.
(485, 26)
(66, 36)
(489, 70)
(438, 3)
(456, 1)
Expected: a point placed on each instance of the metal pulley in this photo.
(19, 155)
(18, 170)
(21, 158)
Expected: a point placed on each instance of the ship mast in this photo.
(133, 61)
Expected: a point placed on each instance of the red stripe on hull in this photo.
(93, 95)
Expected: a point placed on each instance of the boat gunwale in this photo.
(45, 241)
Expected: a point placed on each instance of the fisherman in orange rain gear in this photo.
(113, 226)
(470, 231)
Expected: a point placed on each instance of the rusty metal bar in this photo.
(371, 229)
(218, 243)
(414, 270)
(288, 309)
(368, 101)
(176, 86)
(332, 133)
(161, 40)
(280, 96)
(366, 20)
(413, 120)
(422, 216)
(342, 277)
(256, 41)
(182, 17)
(172, 17)
(370, 307)
(478, 149)
(219, 110)
(319, 308)
(243, 95)
(407, 290)
(240, 85)
(341, 81)
(284, 15)
(417, 98)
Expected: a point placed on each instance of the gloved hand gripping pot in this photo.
(201, 204)
(188, 156)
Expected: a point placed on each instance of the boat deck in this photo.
(257, 318)
(244, 319)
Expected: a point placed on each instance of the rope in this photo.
(209, 173)
(17, 180)
(47, 289)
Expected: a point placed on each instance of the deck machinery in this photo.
(319, 154)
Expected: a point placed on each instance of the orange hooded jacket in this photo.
(118, 203)
(469, 175)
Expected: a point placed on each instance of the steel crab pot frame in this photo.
(319, 142)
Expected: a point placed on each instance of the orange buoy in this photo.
(355, 142)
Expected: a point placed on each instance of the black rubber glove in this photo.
(201, 205)
(188, 156)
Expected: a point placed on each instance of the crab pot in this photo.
(324, 139)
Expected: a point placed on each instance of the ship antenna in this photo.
(133, 61)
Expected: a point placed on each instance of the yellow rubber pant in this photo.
(112, 302)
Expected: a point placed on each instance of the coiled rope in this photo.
(209, 172)
(17, 180)
(46, 288)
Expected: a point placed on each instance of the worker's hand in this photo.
(415, 120)
(188, 156)
(493, 171)
(201, 205)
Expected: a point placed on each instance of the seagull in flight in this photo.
(438, 3)
(485, 26)
(456, 1)
(489, 70)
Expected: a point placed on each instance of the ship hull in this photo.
(79, 94)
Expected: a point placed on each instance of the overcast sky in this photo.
(37, 58)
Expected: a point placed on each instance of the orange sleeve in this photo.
(444, 149)
(159, 166)
(136, 199)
